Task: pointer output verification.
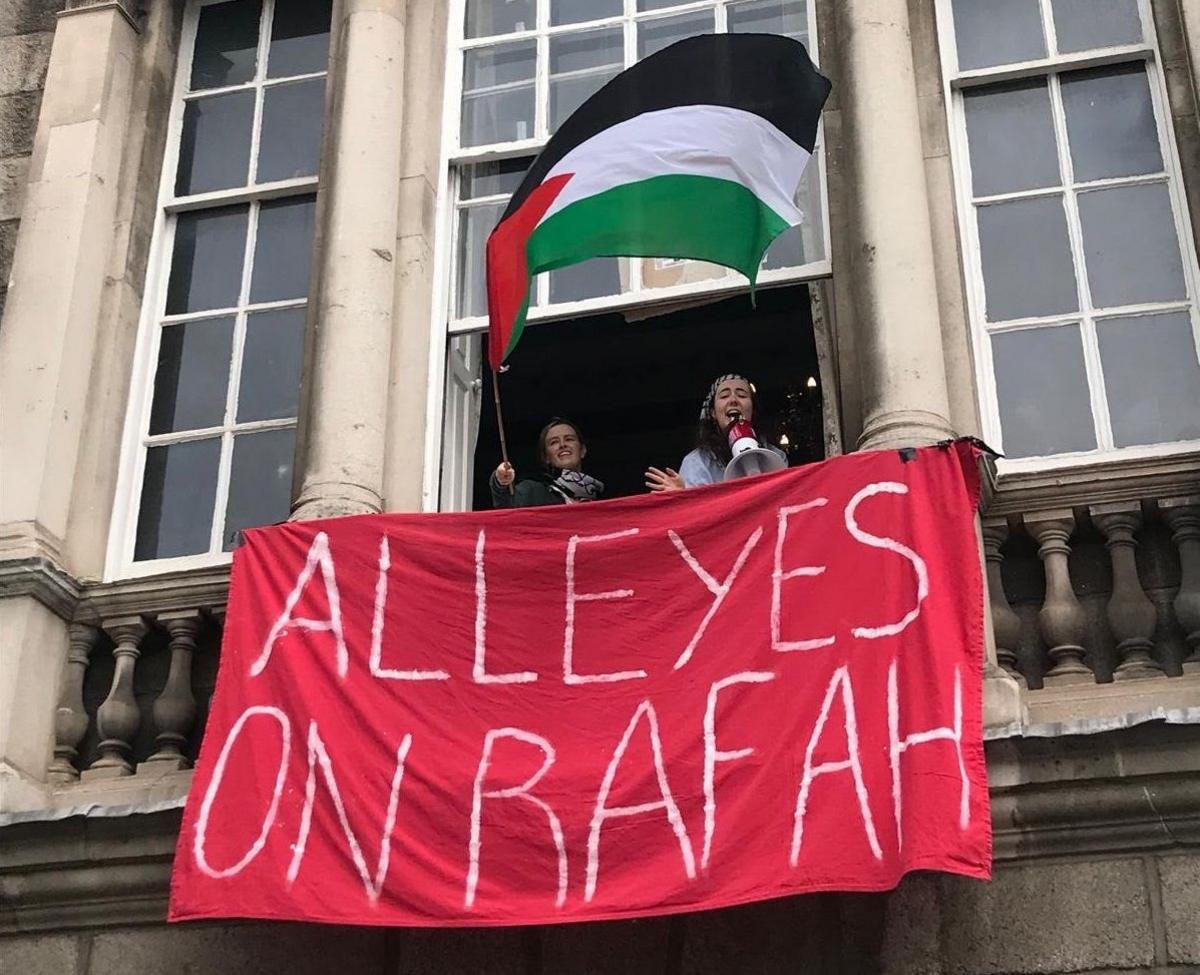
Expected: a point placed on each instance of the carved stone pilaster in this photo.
(1185, 527)
(70, 718)
(117, 719)
(174, 710)
(1131, 614)
(1006, 625)
(1061, 619)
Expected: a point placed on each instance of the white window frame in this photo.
(956, 83)
(122, 538)
(444, 325)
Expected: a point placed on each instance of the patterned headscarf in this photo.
(707, 405)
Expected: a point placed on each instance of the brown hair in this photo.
(555, 421)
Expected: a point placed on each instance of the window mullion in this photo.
(1048, 28)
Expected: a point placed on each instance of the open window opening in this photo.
(635, 390)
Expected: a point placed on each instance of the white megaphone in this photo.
(749, 456)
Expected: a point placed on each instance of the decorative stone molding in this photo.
(1006, 625)
(44, 581)
(1061, 619)
(1131, 614)
(175, 708)
(1184, 520)
(70, 719)
(118, 718)
(125, 8)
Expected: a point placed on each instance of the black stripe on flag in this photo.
(767, 74)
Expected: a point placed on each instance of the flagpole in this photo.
(512, 487)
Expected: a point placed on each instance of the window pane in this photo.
(498, 93)
(576, 11)
(1027, 265)
(659, 4)
(1152, 378)
(1041, 384)
(226, 50)
(1084, 24)
(992, 32)
(488, 17)
(206, 265)
(492, 178)
(214, 146)
(1010, 132)
(192, 375)
(788, 17)
(802, 245)
(474, 225)
(1110, 122)
(260, 482)
(1130, 245)
(654, 35)
(299, 38)
(580, 65)
(589, 279)
(283, 250)
(290, 144)
(178, 492)
(270, 386)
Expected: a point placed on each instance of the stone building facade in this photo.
(239, 282)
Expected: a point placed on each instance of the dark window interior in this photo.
(635, 388)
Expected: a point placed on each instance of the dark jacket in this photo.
(529, 492)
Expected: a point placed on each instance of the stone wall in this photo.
(26, 30)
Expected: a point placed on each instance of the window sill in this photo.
(1018, 487)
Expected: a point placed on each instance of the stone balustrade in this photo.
(1098, 593)
(140, 670)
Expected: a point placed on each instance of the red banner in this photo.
(635, 707)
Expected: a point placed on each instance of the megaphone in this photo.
(749, 456)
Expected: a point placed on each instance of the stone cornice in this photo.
(44, 581)
(205, 589)
(1094, 483)
(83, 872)
(126, 8)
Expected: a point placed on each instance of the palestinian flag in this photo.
(695, 152)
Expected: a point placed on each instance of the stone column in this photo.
(174, 710)
(892, 275)
(1062, 619)
(1131, 614)
(47, 338)
(71, 720)
(1006, 625)
(48, 342)
(346, 430)
(1184, 519)
(118, 718)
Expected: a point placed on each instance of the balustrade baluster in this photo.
(1184, 519)
(174, 710)
(118, 719)
(1131, 614)
(1006, 624)
(1061, 619)
(70, 718)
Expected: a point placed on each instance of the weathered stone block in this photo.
(1181, 907)
(38, 954)
(1056, 917)
(26, 16)
(619, 948)
(788, 935)
(911, 945)
(18, 122)
(14, 173)
(8, 244)
(480, 951)
(237, 949)
(23, 61)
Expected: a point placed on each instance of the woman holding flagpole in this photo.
(731, 400)
(561, 450)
